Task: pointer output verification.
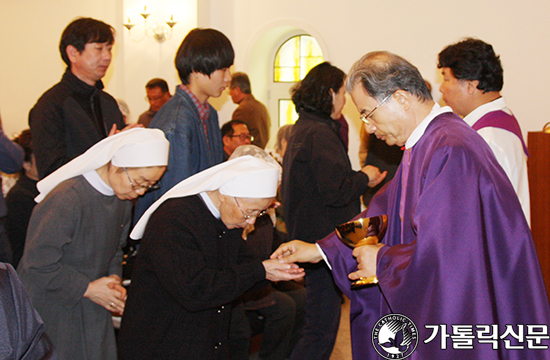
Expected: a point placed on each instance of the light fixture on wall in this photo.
(159, 31)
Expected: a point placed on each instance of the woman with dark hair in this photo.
(319, 191)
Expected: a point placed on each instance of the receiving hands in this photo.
(277, 271)
(297, 251)
(374, 174)
(107, 292)
(366, 261)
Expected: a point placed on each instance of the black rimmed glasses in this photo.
(155, 186)
(365, 118)
(148, 99)
(243, 137)
(256, 215)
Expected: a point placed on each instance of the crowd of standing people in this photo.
(213, 212)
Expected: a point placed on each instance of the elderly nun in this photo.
(193, 262)
(72, 261)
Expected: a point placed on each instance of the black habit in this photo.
(189, 269)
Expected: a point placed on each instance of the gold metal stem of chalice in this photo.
(360, 232)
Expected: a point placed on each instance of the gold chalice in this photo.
(364, 231)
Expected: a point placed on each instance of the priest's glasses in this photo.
(363, 231)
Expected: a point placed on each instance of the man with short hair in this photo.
(234, 134)
(250, 111)
(472, 81)
(157, 95)
(76, 113)
(457, 252)
(189, 122)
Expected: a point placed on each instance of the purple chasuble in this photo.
(502, 120)
(405, 165)
(463, 254)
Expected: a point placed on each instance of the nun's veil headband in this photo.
(137, 147)
(252, 173)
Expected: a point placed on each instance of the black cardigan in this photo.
(319, 189)
(188, 270)
(68, 119)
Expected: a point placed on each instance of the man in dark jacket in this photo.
(76, 113)
(250, 111)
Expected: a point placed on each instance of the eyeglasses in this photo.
(148, 99)
(155, 186)
(253, 215)
(243, 137)
(365, 118)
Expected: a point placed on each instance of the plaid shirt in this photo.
(204, 109)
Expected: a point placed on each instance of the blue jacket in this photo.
(190, 150)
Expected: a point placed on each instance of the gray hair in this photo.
(256, 152)
(283, 134)
(241, 80)
(382, 73)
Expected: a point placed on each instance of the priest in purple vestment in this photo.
(457, 258)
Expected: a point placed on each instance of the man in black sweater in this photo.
(76, 113)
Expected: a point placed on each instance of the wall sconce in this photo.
(159, 31)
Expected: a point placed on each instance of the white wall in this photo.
(147, 59)
(417, 30)
(30, 61)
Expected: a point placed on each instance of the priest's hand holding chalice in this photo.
(363, 235)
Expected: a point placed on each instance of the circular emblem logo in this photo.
(394, 336)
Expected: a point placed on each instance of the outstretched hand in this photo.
(374, 174)
(277, 271)
(297, 251)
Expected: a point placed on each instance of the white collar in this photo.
(477, 113)
(97, 183)
(421, 128)
(210, 205)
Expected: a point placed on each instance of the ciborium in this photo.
(364, 231)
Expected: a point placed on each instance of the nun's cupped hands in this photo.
(277, 271)
(107, 292)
